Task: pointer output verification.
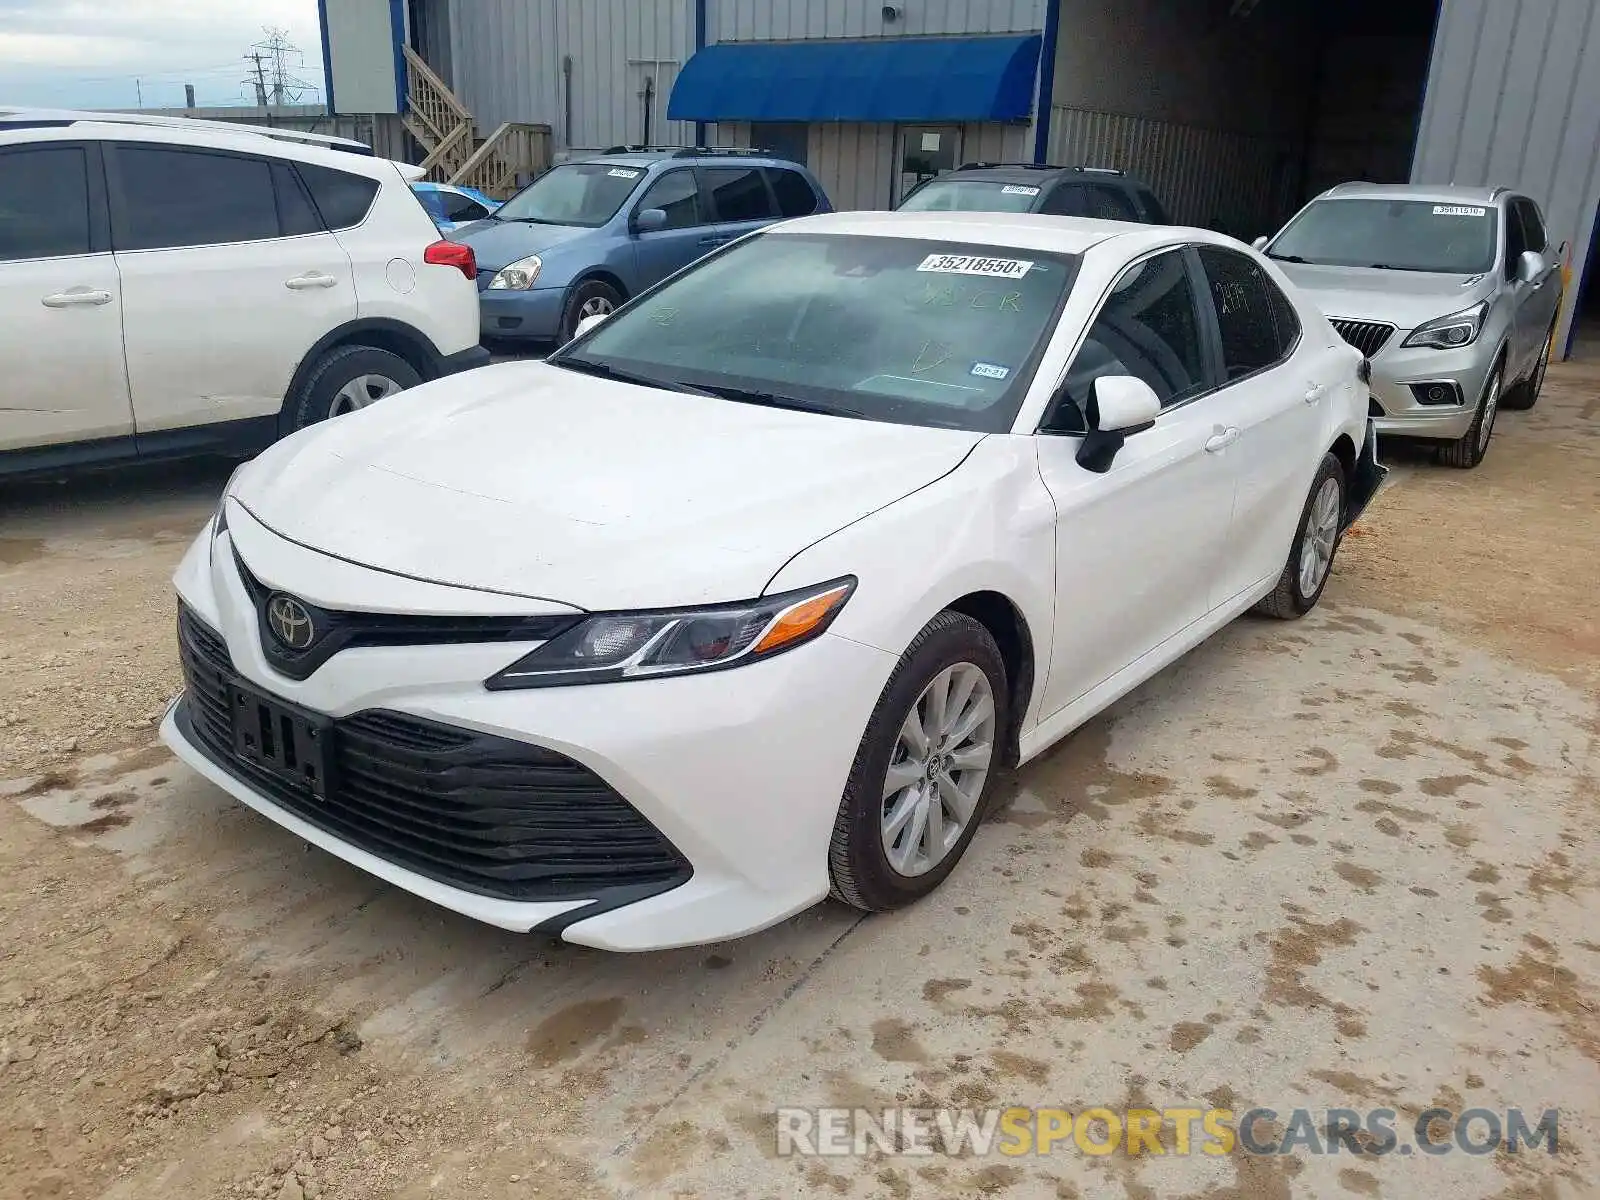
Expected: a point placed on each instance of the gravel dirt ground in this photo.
(1349, 862)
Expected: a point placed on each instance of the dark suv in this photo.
(1101, 192)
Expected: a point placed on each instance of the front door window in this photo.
(926, 151)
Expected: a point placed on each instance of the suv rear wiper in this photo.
(589, 366)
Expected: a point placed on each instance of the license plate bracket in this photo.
(292, 743)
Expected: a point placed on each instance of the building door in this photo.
(926, 151)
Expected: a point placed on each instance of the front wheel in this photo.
(922, 773)
(1468, 450)
(1316, 541)
(591, 298)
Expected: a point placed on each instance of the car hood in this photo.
(1404, 299)
(496, 243)
(529, 480)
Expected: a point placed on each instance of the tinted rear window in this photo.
(738, 194)
(44, 203)
(342, 199)
(795, 197)
(171, 197)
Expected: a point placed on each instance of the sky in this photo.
(105, 53)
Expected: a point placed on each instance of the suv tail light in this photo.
(452, 254)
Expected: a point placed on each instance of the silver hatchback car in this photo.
(1451, 293)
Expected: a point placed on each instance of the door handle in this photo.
(75, 297)
(1315, 392)
(1221, 439)
(311, 279)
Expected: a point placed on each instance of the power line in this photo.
(271, 69)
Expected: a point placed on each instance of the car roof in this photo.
(15, 117)
(1439, 193)
(1032, 173)
(216, 135)
(1021, 231)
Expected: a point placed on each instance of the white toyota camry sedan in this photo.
(750, 592)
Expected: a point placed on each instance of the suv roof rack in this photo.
(1033, 166)
(688, 151)
(47, 118)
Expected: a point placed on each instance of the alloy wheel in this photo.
(936, 773)
(1321, 535)
(360, 392)
(1491, 405)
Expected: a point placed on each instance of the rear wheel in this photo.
(923, 771)
(1526, 394)
(1468, 450)
(347, 379)
(1316, 541)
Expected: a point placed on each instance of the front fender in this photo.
(988, 526)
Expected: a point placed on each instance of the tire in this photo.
(1467, 451)
(1526, 394)
(1290, 599)
(348, 377)
(589, 297)
(861, 871)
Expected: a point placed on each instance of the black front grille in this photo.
(486, 814)
(1366, 336)
(1374, 409)
(338, 630)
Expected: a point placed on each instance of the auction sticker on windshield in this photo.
(622, 173)
(1018, 189)
(989, 370)
(969, 264)
(1457, 210)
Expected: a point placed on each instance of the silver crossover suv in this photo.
(1450, 292)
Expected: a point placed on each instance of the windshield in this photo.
(890, 329)
(1399, 235)
(971, 195)
(575, 194)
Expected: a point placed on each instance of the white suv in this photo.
(179, 287)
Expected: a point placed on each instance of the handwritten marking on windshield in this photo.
(931, 357)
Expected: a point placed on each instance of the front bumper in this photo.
(1397, 370)
(463, 360)
(533, 314)
(740, 772)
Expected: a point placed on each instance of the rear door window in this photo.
(738, 194)
(795, 196)
(1258, 325)
(166, 197)
(1110, 203)
(44, 203)
(1068, 200)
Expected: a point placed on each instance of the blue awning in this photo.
(875, 79)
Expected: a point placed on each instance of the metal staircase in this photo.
(453, 152)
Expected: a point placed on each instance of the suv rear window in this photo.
(343, 199)
(169, 196)
(738, 193)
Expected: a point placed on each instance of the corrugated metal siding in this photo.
(507, 62)
(1513, 93)
(792, 20)
(1205, 177)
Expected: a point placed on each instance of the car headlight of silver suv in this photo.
(649, 645)
(1452, 332)
(518, 276)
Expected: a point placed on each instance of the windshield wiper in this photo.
(779, 400)
(589, 366)
(1294, 258)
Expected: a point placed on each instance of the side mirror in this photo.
(647, 219)
(1530, 265)
(588, 323)
(1260, 243)
(1119, 406)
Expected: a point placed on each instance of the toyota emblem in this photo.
(290, 622)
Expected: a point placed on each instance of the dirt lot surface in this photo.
(1349, 862)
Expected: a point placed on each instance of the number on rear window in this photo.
(342, 198)
(1259, 328)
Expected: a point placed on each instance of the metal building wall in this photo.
(507, 62)
(792, 20)
(1514, 99)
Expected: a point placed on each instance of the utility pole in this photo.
(138, 90)
(258, 77)
(188, 95)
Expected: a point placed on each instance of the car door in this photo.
(1537, 311)
(1272, 406)
(687, 233)
(228, 281)
(1136, 546)
(740, 200)
(60, 300)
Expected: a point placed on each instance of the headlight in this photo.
(648, 645)
(1452, 332)
(518, 276)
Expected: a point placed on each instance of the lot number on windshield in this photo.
(1456, 210)
(968, 264)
